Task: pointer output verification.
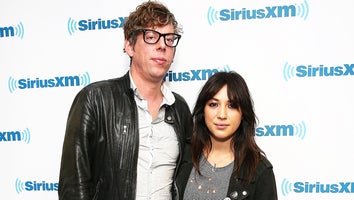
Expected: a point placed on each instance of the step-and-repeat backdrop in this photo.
(297, 57)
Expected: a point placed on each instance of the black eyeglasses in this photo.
(152, 37)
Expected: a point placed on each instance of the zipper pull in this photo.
(125, 129)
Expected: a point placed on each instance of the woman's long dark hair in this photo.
(247, 152)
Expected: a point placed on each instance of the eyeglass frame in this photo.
(177, 36)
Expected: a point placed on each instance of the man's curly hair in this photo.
(149, 14)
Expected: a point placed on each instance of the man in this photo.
(125, 137)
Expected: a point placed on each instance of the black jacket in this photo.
(262, 186)
(100, 151)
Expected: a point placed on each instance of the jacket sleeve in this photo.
(75, 173)
(266, 186)
(185, 164)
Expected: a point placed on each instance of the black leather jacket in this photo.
(100, 151)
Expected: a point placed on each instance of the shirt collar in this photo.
(168, 97)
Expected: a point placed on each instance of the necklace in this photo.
(215, 160)
(213, 169)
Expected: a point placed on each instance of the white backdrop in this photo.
(297, 57)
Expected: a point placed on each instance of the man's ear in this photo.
(128, 48)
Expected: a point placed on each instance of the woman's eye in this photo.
(233, 105)
(213, 104)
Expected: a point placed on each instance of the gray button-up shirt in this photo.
(158, 149)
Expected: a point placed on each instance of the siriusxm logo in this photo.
(317, 187)
(35, 186)
(62, 81)
(285, 130)
(302, 71)
(15, 136)
(268, 12)
(193, 75)
(90, 25)
(12, 31)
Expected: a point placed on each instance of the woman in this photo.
(227, 162)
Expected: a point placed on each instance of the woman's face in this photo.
(221, 118)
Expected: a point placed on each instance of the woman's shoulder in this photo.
(265, 163)
(264, 167)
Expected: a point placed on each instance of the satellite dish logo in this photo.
(13, 136)
(288, 71)
(19, 30)
(85, 79)
(19, 186)
(12, 31)
(303, 10)
(212, 15)
(286, 187)
(12, 84)
(72, 26)
(226, 68)
(26, 136)
(63, 81)
(300, 130)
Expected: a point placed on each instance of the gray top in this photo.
(212, 184)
